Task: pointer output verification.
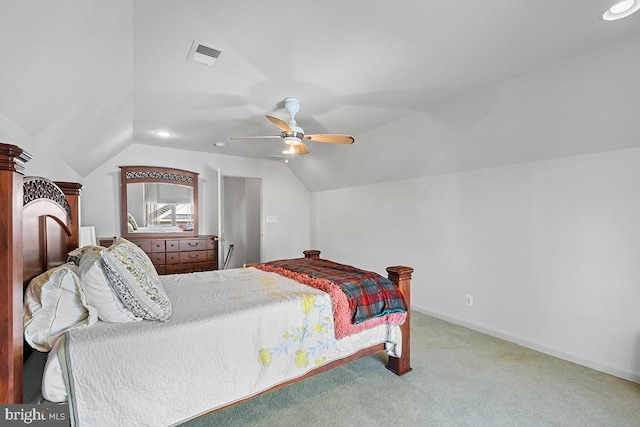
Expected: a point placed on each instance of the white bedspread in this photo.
(232, 334)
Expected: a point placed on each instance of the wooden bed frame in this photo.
(39, 225)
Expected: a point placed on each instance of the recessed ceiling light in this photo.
(220, 144)
(620, 10)
(163, 133)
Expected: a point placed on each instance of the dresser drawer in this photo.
(106, 242)
(157, 246)
(191, 267)
(204, 266)
(193, 245)
(179, 268)
(157, 258)
(145, 245)
(173, 257)
(193, 256)
(173, 245)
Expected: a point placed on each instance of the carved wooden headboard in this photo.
(39, 225)
(50, 230)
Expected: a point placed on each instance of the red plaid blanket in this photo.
(369, 294)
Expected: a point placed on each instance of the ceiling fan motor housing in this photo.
(292, 105)
(292, 138)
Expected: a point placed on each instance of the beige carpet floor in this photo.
(460, 378)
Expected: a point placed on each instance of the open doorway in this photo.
(241, 228)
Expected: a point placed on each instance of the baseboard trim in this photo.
(616, 372)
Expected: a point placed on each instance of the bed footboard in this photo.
(401, 277)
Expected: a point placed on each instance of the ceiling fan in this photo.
(293, 135)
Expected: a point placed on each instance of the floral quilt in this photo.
(232, 333)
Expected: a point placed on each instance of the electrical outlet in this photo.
(469, 300)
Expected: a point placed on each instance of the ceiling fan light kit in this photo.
(292, 134)
(292, 140)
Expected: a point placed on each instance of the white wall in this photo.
(584, 104)
(66, 83)
(549, 250)
(45, 161)
(283, 195)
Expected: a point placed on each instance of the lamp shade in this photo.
(87, 236)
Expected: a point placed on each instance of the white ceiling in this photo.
(424, 86)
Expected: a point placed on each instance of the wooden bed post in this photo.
(311, 253)
(12, 159)
(401, 277)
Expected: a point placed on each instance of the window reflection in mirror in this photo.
(159, 207)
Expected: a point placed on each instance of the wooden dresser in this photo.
(177, 254)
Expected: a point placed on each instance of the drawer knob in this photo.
(193, 245)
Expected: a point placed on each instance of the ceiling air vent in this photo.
(203, 54)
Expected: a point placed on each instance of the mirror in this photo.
(158, 201)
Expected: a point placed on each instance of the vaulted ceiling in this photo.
(425, 87)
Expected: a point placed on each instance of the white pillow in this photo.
(53, 386)
(132, 221)
(134, 278)
(53, 304)
(96, 287)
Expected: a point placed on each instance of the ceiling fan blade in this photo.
(282, 125)
(256, 137)
(300, 148)
(331, 138)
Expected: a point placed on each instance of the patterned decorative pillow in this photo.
(133, 277)
(76, 255)
(54, 303)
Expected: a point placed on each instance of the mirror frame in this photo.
(155, 174)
